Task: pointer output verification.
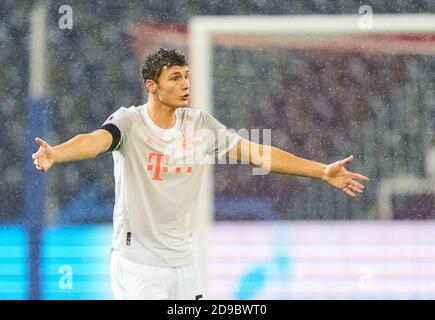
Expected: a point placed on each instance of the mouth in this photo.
(185, 97)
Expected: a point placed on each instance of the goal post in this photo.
(289, 31)
(35, 192)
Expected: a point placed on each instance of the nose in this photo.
(185, 85)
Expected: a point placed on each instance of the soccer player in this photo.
(157, 184)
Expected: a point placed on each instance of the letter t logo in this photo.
(157, 170)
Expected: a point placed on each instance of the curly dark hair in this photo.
(153, 64)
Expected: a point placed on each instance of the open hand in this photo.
(43, 159)
(337, 176)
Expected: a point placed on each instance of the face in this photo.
(172, 87)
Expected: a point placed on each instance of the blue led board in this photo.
(13, 263)
(75, 262)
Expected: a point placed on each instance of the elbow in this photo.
(262, 159)
(89, 145)
(256, 162)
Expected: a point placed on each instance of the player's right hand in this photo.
(43, 159)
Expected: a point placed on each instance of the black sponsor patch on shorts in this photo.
(128, 239)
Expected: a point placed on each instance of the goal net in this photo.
(327, 87)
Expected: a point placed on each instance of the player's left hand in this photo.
(337, 176)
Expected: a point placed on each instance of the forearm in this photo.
(279, 161)
(80, 147)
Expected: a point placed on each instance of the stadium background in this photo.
(276, 236)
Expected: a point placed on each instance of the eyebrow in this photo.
(178, 73)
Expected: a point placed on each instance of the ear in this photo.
(151, 86)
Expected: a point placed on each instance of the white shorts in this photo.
(133, 281)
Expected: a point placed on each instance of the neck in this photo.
(162, 115)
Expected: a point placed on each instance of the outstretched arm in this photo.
(279, 161)
(82, 146)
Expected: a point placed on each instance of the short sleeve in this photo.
(118, 124)
(222, 140)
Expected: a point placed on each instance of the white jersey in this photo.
(158, 179)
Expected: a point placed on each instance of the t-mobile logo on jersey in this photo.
(158, 167)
